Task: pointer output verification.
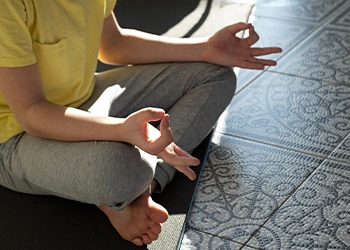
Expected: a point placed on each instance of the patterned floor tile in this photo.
(195, 240)
(280, 33)
(325, 56)
(342, 153)
(343, 18)
(316, 217)
(242, 184)
(307, 10)
(297, 113)
(272, 32)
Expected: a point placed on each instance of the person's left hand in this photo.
(225, 48)
(179, 159)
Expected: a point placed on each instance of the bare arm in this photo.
(126, 46)
(39, 117)
(23, 91)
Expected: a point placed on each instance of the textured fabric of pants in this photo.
(115, 173)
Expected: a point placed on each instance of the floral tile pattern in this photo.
(342, 153)
(278, 174)
(308, 10)
(243, 184)
(195, 240)
(315, 217)
(298, 113)
(343, 19)
(324, 56)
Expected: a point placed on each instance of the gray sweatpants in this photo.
(114, 173)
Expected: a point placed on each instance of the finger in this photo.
(251, 65)
(253, 36)
(264, 51)
(188, 172)
(265, 62)
(235, 28)
(181, 161)
(165, 132)
(150, 114)
(190, 160)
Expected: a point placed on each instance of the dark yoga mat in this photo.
(48, 223)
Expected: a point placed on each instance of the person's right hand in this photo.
(225, 48)
(137, 131)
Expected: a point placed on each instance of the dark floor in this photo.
(278, 172)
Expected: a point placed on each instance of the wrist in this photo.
(120, 130)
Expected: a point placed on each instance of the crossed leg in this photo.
(112, 175)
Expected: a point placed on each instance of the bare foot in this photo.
(140, 221)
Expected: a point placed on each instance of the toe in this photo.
(152, 236)
(146, 239)
(156, 228)
(138, 241)
(156, 212)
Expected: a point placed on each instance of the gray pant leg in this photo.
(100, 173)
(113, 173)
(194, 94)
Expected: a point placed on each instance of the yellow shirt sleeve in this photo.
(109, 7)
(15, 39)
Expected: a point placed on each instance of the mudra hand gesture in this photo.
(225, 48)
(158, 142)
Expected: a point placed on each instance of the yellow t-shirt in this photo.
(62, 37)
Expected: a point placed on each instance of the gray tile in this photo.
(297, 113)
(248, 248)
(195, 240)
(325, 55)
(272, 32)
(171, 233)
(280, 33)
(307, 10)
(342, 153)
(315, 217)
(242, 184)
(343, 18)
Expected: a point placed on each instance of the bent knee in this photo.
(221, 75)
(225, 83)
(229, 80)
(121, 176)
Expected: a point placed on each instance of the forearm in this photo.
(47, 120)
(136, 47)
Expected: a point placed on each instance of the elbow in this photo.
(105, 57)
(30, 118)
(111, 57)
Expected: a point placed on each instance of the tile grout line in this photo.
(305, 77)
(313, 31)
(218, 236)
(321, 25)
(318, 27)
(283, 202)
(273, 145)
